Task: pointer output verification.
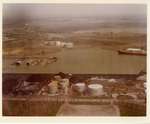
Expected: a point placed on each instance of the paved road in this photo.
(73, 100)
(88, 110)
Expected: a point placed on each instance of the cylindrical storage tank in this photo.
(80, 87)
(53, 87)
(95, 89)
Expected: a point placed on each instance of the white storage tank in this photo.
(69, 45)
(95, 89)
(80, 87)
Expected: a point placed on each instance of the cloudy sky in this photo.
(71, 10)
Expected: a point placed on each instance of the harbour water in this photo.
(91, 60)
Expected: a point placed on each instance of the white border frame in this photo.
(121, 120)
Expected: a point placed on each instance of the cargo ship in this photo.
(132, 51)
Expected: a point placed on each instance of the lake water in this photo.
(84, 61)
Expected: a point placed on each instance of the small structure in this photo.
(95, 89)
(64, 83)
(64, 44)
(59, 43)
(17, 63)
(68, 45)
(112, 80)
(53, 87)
(80, 87)
(46, 43)
(141, 77)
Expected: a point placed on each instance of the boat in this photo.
(133, 51)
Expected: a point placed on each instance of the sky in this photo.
(11, 11)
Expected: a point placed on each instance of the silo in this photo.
(95, 89)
